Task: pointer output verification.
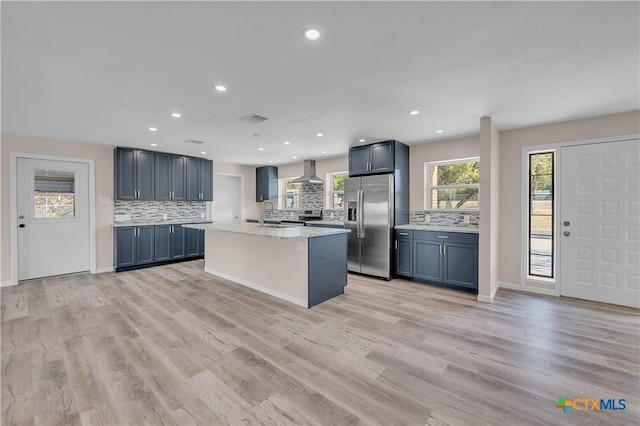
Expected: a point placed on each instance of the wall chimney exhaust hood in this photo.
(309, 175)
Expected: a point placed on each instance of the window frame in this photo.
(329, 190)
(282, 194)
(527, 213)
(33, 219)
(428, 187)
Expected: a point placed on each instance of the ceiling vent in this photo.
(194, 141)
(253, 118)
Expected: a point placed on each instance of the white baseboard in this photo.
(7, 283)
(527, 289)
(104, 270)
(258, 287)
(489, 299)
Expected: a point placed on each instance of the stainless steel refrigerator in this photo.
(369, 214)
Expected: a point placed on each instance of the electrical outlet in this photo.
(165, 216)
(466, 218)
(427, 218)
(300, 246)
(201, 215)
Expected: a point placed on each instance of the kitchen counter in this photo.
(436, 228)
(326, 222)
(302, 265)
(160, 222)
(269, 231)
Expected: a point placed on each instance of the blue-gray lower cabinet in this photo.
(142, 246)
(134, 246)
(444, 258)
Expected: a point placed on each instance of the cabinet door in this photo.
(359, 159)
(427, 260)
(206, 179)
(381, 157)
(404, 257)
(201, 243)
(125, 174)
(163, 176)
(261, 183)
(192, 237)
(145, 161)
(162, 242)
(193, 172)
(144, 245)
(178, 248)
(125, 246)
(267, 183)
(178, 177)
(461, 264)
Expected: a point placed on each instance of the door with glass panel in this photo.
(600, 222)
(53, 217)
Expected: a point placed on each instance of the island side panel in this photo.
(274, 266)
(327, 267)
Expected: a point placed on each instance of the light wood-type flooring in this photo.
(175, 345)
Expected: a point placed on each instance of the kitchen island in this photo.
(303, 265)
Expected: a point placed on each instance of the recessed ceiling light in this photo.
(270, 161)
(176, 115)
(153, 129)
(324, 152)
(439, 131)
(220, 88)
(319, 135)
(361, 140)
(202, 152)
(414, 112)
(260, 149)
(311, 34)
(294, 157)
(287, 143)
(153, 144)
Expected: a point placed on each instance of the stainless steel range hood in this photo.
(309, 175)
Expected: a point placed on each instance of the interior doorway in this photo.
(227, 204)
(599, 226)
(53, 217)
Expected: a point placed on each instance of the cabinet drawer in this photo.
(454, 237)
(404, 234)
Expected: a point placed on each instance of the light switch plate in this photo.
(122, 217)
(165, 216)
(427, 218)
(201, 215)
(466, 218)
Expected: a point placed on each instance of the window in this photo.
(54, 195)
(335, 189)
(290, 194)
(541, 214)
(452, 185)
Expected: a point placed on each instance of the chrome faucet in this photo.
(264, 203)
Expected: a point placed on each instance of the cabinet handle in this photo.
(445, 250)
(440, 249)
(396, 244)
(404, 234)
(442, 236)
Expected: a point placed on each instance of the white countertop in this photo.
(286, 233)
(462, 229)
(159, 222)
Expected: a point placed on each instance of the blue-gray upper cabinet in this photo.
(134, 245)
(199, 179)
(267, 183)
(170, 176)
(134, 174)
(380, 157)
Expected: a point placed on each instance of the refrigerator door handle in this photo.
(360, 213)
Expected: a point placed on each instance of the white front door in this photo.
(227, 205)
(53, 217)
(599, 227)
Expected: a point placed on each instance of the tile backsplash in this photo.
(445, 218)
(151, 211)
(312, 196)
(333, 214)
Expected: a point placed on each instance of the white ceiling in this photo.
(106, 72)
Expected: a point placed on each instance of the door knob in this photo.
(22, 225)
(566, 223)
(566, 233)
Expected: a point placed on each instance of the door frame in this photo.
(524, 221)
(13, 206)
(240, 198)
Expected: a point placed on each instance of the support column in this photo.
(488, 206)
